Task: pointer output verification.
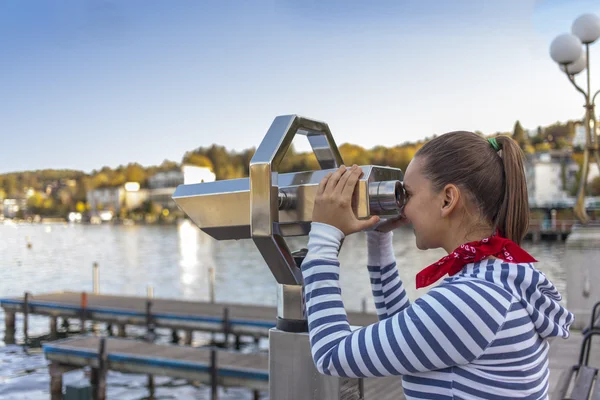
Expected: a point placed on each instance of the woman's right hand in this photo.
(391, 224)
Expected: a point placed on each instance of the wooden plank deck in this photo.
(234, 368)
(169, 313)
(245, 319)
(563, 355)
(126, 355)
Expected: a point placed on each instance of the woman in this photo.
(482, 332)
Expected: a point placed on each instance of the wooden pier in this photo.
(120, 311)
(238, 369)
(548, 230)
(208, 366)
(191, 363)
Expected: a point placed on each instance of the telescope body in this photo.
(269, 206)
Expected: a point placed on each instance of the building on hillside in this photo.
(11, 207)
(163, 184)
(193, 174)
(128, 196)
(160, 190)
(579, 137)
(549, 176)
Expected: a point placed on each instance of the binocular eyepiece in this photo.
(385, 198)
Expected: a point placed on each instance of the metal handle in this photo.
(264, 191)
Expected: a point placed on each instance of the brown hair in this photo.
(494, 180)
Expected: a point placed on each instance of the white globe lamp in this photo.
(575, 67)
(566, 49)
(587, 28)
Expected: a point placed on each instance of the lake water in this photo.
(175, 261)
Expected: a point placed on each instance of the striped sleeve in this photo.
(388, 290)
(450, 325)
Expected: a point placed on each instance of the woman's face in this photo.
(423, 207)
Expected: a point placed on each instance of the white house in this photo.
(128, 196)
(579, 137)
(160, 190)
(193, 174)
(163, 184)
(11, 207)
(544, 174)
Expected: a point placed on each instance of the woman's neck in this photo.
(472, 235)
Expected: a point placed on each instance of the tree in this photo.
(135, 173)
(198, 160)
(353, 154)
(519, 135)
(220, 159)
(118, 178)
(10, 186)
(100, 180)
(400, 156)
(378, 155)
(35, 202)
(168, 165)
(543, 147)
(561, 143)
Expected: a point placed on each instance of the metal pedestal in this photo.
(293, 376)
(292, 372)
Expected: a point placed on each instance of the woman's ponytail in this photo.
(513, 217)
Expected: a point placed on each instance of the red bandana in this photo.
(495, 246)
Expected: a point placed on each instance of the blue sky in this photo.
(85, 84)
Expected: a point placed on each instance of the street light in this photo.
(567, 51)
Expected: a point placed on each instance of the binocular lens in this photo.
(386, 197)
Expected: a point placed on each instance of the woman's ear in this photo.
(450, 199)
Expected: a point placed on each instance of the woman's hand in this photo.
(333, 202)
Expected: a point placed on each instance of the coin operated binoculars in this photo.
(268, 207)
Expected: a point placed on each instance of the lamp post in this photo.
(572, 52)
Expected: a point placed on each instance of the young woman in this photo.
(482, 332)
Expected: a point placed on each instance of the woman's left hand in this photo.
(333, 202)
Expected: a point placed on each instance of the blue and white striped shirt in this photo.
(479, 334)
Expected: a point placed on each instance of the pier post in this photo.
(53, 327)
(150, 334)
(189, 334)
(83, 306)
(56, 373)
(26, 319)
(226, 326)
(174, 336)
(9, 327)
(121, 330)
(214, 389)
(211, 288)
(151, 387)
(149, 321)
(96, 278)
(98, 377)
(96, 291)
